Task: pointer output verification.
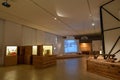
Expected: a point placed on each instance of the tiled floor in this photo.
(67, 69)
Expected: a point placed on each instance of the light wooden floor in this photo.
(67, 69)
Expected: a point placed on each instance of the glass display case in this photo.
(11, 50)
(34, 50)
(47, 50)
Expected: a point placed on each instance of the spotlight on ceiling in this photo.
(6, 4)
(55, 18)
(93, 24)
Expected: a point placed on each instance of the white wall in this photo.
(40, 37)
(29, 36)
(12, 33)
(60, 46)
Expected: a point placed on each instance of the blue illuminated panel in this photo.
(70, 46)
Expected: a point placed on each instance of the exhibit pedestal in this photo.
(101, 67)
(10, 60)
(44, 61)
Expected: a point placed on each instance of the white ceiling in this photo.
(74, 17)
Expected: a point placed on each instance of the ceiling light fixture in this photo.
(6, 4)
(93, 24)
(55, 18)
(91, 15)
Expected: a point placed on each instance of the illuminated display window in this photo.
(34, 50)
(85, 46)
(11, 50)
(47, 49)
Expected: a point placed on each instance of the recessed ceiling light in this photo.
(55, 18)
(93, 24)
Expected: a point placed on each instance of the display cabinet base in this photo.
(103, 68)
(10, 60)
(44, 61)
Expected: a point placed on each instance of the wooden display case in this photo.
(44, 61)
(43, 50)
(107, 69)
(10, 57)
(10, 60)
(27, 54)
(40, 50)
(28, 50)
(24, 55)
(20, 56)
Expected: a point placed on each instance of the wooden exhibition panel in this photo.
(44, 61)
(21, 50)
(20, 55)
(10, 60)
(27, 54)
(24, 55)
(27, 59)
(107, 69)
(40, 50)
(20, 59)
(28, 50)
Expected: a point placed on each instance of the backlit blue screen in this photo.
(70, 46)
